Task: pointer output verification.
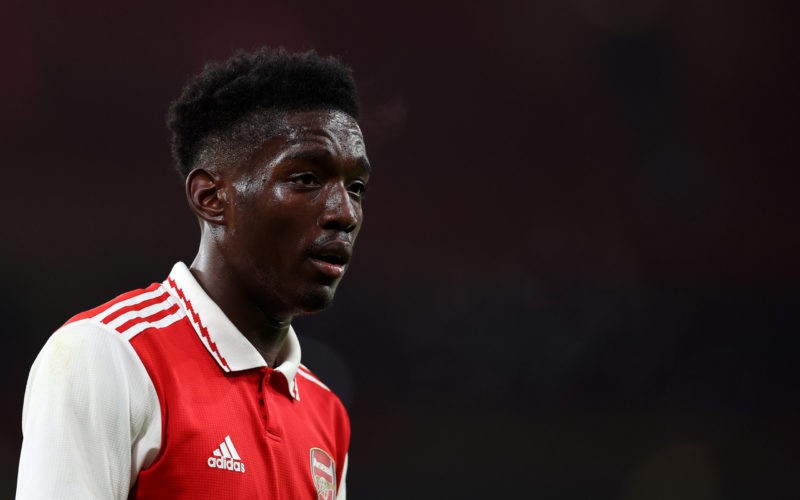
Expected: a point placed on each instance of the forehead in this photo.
(334, 131)
(332, 124)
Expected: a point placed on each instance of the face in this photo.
(295, 211)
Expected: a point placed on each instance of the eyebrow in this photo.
(321, 155)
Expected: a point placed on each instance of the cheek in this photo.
(256, 207)
(274, 220)
(360, 213)
(277, 233)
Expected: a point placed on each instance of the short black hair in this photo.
(222, 108)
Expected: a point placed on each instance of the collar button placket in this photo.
(263, 389)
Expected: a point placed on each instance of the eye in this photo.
(305, 179)
(357, 188)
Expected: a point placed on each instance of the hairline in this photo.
(236, 144)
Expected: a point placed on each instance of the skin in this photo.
(268, 225)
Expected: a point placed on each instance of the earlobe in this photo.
(206, 195)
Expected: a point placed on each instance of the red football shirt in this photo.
(157, 395)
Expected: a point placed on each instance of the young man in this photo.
(193, 388)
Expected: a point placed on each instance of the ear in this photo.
(206, 195)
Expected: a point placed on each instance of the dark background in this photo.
(577, 278)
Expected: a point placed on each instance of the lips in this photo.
(331, 258)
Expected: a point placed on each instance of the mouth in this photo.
(331, 258)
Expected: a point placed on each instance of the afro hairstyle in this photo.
(227, 110)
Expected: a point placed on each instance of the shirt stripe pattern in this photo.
(149, 309)
(306, 374)
(194, 318)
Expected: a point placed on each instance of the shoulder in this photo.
(94, 347)
(305, 373)
(86, 356)
(89, 366)
(134, 296)
(89, 372)
(312, 390)
(89, 405)
(90, 333)
(134, 311)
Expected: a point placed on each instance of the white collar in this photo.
(226, 344)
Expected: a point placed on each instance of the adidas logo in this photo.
(226, 457)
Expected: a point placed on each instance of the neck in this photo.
(267, 332)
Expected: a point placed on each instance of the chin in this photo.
(316, 300)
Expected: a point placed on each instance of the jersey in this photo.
(156, 394)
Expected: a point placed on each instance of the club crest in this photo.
(323, 473)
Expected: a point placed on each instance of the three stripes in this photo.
(155, 308)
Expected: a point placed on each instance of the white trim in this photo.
(162, 323)
(312, 378)
(142, 313)
(205, 342)
(129, 302)
(342, 493)
(289, 357)
(233, 351)
(232, 347)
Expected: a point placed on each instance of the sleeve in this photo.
(342, 495)
(90, 419)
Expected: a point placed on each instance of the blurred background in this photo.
(578, 273)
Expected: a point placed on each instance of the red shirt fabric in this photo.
(229, 425)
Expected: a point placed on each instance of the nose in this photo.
(340, 212)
